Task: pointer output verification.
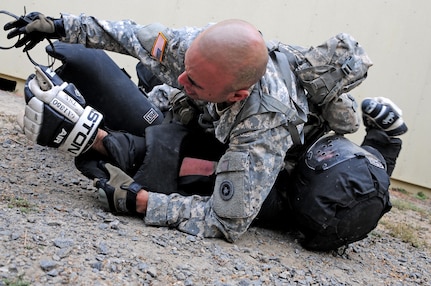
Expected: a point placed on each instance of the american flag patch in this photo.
(159, 47)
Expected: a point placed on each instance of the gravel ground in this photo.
(53, 232)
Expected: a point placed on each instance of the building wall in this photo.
(394, 33)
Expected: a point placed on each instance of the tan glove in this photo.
(34, 27)
(118, 193)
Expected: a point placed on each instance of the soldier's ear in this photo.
(238, 95)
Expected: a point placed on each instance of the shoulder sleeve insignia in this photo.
(159, 47)
(226, 190)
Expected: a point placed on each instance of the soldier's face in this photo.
(202, 79)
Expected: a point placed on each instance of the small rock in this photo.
(47, 265)
(63, 242)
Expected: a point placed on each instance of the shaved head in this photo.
(237, 48)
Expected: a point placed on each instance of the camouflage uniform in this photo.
(257, 142)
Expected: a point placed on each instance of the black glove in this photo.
(118, 192)
(35, 27)
(88, 164)
(125, 150)
(55, 115)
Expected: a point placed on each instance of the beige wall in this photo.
(394, 33)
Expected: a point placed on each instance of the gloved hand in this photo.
(35, 27)
(118, 192)
(55, 115)
(125, 150)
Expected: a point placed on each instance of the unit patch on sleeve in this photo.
(159, 46)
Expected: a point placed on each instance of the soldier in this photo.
(248, 102)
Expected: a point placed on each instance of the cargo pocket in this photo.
(231, 192)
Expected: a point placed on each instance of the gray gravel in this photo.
(54, 232)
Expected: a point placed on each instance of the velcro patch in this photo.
(159, 47)
(226, 190)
